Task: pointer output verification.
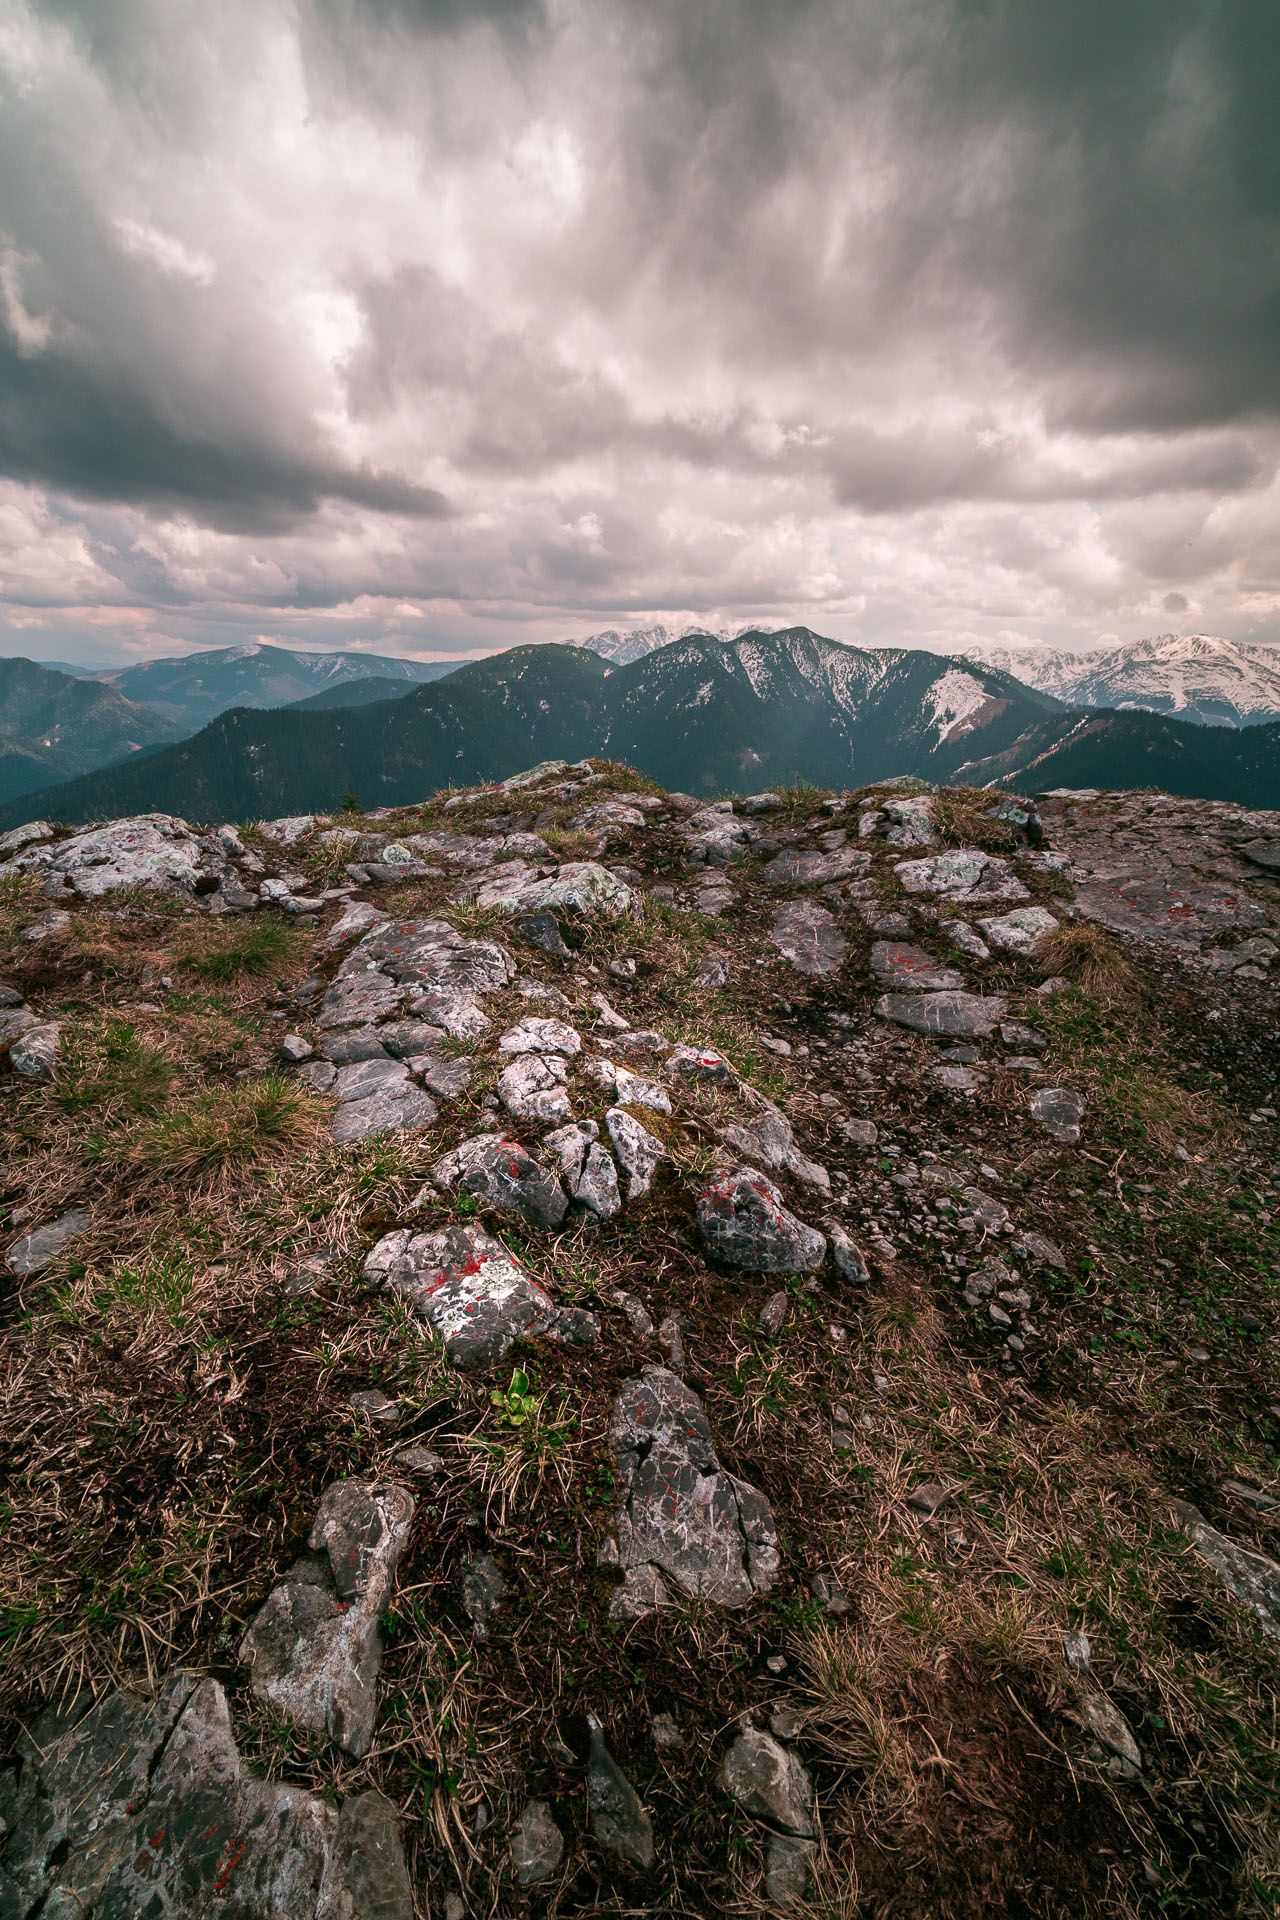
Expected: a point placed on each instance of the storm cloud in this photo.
(438, 324)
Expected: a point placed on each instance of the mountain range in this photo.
(703, 714)
(195, 689)
(1193, 676)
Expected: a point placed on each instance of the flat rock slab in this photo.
(394, 1106)
(313, 1651)
(806, 934)
(815, 869)
(40, 1248)
(501, 1174)
(1250, 1576)
(475, 850)
(743, 1222)
(473, 1293)
(897, 964)
(431, 956)
(683, 1522)
(1175, 909)
(962, 873)
(536, 1035)
(144, 1806)
(943, 1013)
(578, 887)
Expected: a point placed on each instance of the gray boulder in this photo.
(683, 1522)
(806, 934)
(815, 869)
(743, 1222)
(703, 1065)
(504, 1176)
(943, 1013)
(14, 1022)
(579, 886)
(537, 1844)
(144, 1806)
(534, 1035)
(962, 873)
(769, 1782)
(35, 1054)
(1018, 932)
(155, 851)
(483, 1585)
(313, 1651)
(588, 1172)
(472, 1293)
(618, 1818)
(1060, 1111)
(767, 1140)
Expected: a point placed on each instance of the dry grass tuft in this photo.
(225, 1133)
(1085, 955)
(250, 950)
(960, 815)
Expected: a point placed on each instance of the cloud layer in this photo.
(439, 324)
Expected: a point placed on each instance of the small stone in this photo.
(1252, 1577)
(1110, 1728)
(483, 1586)
(38, 1250)
(540, 1036)
(1018, 932)
(768, 1782)
(859, 1133)
(537, 1844)
(776, 1663)
(671, 1340)
(1059, 1111)
(829, 1591)
(419, 1460)
(637, 1319)
(534, 1087)
(785, 1724)
(667, 1737)
(618, 1819)
(1250, 1496)
(942, 1013)
(295, 1049)
(1075, 1651)
(712, 972)
(926, 1499)
(35, 1053)
(376, 1406)
(787, 1864)
(773, 1314)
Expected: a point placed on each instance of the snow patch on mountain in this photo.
(956, 697)
(1195, 676)
(623, 647)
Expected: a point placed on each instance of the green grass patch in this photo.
(253, 948)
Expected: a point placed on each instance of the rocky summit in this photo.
(580, 1349)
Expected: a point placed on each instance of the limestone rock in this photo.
(579, 886)
(542, 930)
(144, 1806)
(14, 1022)
(540, 1036)
(1059, 1111)
(35, 1053)
(534, 1087)
(712, 971)
(806, 934)
(767, 1140)
(815, 869)
(378, 1097)
(537, 1844)
(1251, 1577)
(40, 1248)
(618, 1818)
(962, 873)
(683, 1520)
(155, 851)
(787, 1863)
(313, 1651)
(702, 1065)
(627, 1089)
(942, 1013)
(505, 1177)
(1110, 1728)
(473, 1293)
(769, 1782)
(588, 1172)
(898, 964)
(743, 1221)
(1018, 932)
(637, 1149)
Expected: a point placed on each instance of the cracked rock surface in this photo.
(684, 1522)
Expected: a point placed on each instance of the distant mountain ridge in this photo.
(1196, 677)
(625, 648)
(193, 690)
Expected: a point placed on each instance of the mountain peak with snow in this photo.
(1196, 676)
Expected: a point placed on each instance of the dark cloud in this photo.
(524, 307)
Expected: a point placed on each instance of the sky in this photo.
(435, 326)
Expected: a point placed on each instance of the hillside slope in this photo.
(53, 727)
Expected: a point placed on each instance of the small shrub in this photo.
(254, 947)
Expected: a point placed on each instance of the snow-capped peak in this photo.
(1196, 676)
